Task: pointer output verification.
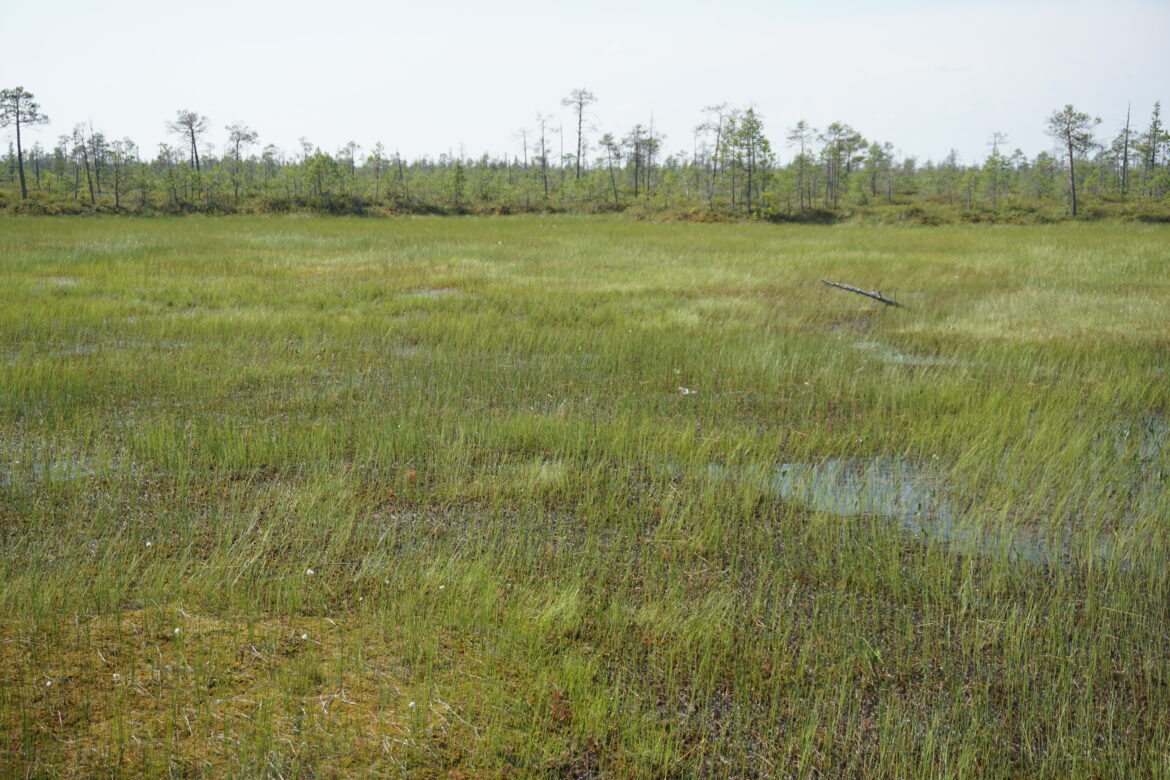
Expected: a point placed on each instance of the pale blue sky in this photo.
(437, 77)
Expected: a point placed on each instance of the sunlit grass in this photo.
(474, 433)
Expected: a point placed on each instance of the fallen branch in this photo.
(868, 294)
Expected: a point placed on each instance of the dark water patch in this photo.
(915, 497)
(42, 472)
(885, 354)
(435, 292)
(93, 348)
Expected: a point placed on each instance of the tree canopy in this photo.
(731, 168)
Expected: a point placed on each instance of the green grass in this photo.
(472, 432)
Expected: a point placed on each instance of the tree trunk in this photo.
(711, 168)
(1125, 155)
(117, 186)
(580, 121)
(750, 166)
(88, 176)
(612, 180)
(194, 150)
(20, 157)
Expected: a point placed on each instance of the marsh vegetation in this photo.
(581, 496)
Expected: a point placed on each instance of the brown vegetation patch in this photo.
(158, 691)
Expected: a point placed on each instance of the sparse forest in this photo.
(731, 167)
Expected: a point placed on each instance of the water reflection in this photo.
(915, 496)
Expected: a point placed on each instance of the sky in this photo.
(463, 77)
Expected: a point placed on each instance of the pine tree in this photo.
(1074, 131)
(18, 108)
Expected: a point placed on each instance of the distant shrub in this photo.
(807, 217)
(705, 215)
(42, 204)
(1146, 211)
(639, 211)
(334, 204)
(923, 216)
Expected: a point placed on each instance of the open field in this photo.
(582, 497)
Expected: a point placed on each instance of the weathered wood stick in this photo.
(875, 295)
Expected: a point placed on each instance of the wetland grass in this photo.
(300, 497)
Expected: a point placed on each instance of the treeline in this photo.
(731, 171)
